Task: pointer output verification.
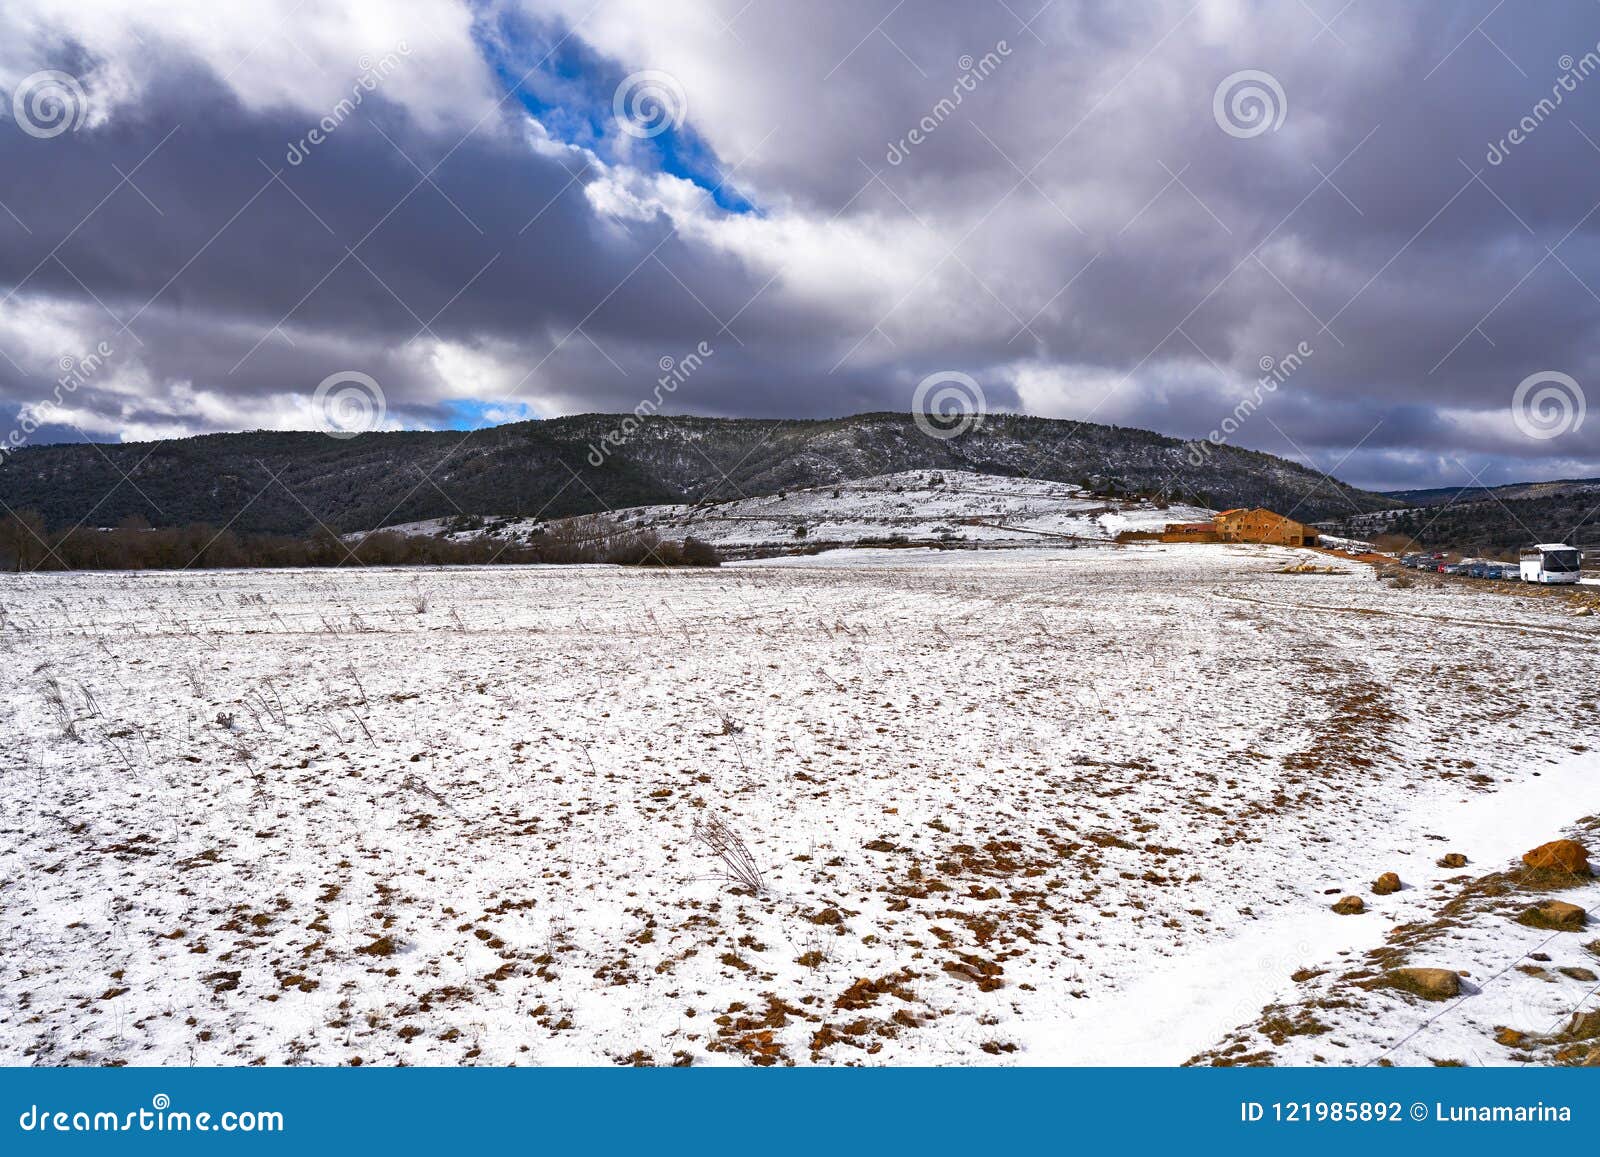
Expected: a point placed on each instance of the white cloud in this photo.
(272, 54)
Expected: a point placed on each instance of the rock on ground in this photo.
(1564, 857)
(1556, 915)
(1428, 983)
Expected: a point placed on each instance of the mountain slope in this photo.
(1488, 519)
(1440, 495)
(289, 482)
(916, 508)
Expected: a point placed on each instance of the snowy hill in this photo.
(295, 482)
(947, 507)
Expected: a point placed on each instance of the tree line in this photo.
(27, 545)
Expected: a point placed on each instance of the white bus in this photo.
(1551, 562)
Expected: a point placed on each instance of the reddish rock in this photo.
(1452, 860)
(1386, 884)
(1350, 906)
(1559, 857)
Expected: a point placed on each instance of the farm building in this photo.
(1241, 525)
(1260, 525)
(1190, 532)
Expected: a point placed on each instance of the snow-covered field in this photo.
(1035, 806)
(951, 507)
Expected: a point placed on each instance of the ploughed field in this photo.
(1003, 807)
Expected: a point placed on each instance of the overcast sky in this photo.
(1083, 206)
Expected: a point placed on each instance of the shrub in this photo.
(26, 545)
(697, 552)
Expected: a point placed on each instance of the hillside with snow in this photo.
(913, 507)
(295, 482)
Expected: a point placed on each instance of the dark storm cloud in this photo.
(1370, 226)
(219, 253)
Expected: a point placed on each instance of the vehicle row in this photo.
(1545, 562)
(1470, 567)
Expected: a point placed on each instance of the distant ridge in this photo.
(1489, 519)
(1439, 495)
(290, 482)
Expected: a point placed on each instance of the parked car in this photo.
(1494, 571)
(1478, 570)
